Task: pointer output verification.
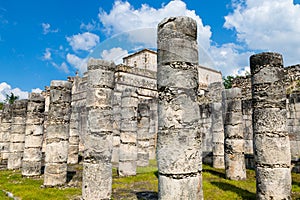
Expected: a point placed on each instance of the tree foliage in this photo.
(10, 99)
(1, 105)
(227, 81)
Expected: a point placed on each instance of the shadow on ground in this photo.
(244, 194)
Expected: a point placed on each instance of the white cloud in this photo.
(79, 63)
(47, 54)
(85, 41)
(36, 90)
(228, 58)
(89, 26)
(5, 89)
(124, 18)
(62, 67)
(114, 54)
(268, 25)
(47, 29)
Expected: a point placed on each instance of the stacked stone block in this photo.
(34, 133)
(293, 125)
(17, 134)
(153, 128)
(5, 127)
(205, 130)
(179, 139)
(116, 128)
(57, 136)
(143, 136)
(271, 141)
(97, 166)
(217, 127)
(128, 147)
(235, 168)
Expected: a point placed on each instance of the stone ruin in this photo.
(119, 115)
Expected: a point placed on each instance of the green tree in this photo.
(1, 105)
(227, 81)
(11, 98)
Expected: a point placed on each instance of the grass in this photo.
(142, 186)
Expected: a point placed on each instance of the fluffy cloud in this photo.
(78, 63)
(85, 41)
(124, 18)
(47, 54)
(268, 25)
(47, 29)
(6, 89)
(62, 67)
(114, 54)
(89, 26)
(36, 90)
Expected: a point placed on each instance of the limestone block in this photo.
(279, 188)
(101, 97)
(32, 154)
(272, 150)
(55, 174)
(98, 147)
(128, 137)
(233, 118)
(96, 181)
(101, 78)
(116, 140)
(129, 125)
(218, 149)
(234, 131)
(185, 188)
(127, 168)
(74, 140)
(56, 152)
(178, 151)
(233, 105)
(235, 168)
(128, 112)
(177, 77)
(36, 130)
(33, 141)
(128, 152)
(57, 131)
(233, 146)
(16, 147)
(143, 159)
(270, 120)
(15, 160)
(100, 120)
(129, 101)
(30, 168)
(180, 112)
(17, 128)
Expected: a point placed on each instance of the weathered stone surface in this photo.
(56, 150)
(98, 144)
(235, 167)
(179, 139)
(17, 134)
(128, 148)
(273, 178)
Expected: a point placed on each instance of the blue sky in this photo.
(48, 40)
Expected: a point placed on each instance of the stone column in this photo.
(128, 146)
(143, 136)
(116, 128)
(34, 133)
(4, 133)
(17, 134)
(153, 128)
(97, 166)
(57, 133)
(271, 141)
(179, 139)
(235, 168)
(217, 126)
(74, 122)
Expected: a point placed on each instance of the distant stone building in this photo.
(144, 59)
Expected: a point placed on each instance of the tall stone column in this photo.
(153, 128)
(5, 128)
(17, 134)
(179, 139)
(235, 168)
(217, 126)
(128, 147)
(34, 133)
(116, 128)
(143, 136)
(97, 166)
(271, 142)
(57, 133)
